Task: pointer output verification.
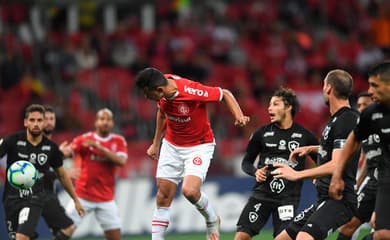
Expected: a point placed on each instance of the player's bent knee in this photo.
(192, 194)
(242, 236)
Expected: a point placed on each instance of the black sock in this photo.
(343, 237)
(368, 236)
(61, 236)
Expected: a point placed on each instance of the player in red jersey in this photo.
(100, 153)
(188, 144)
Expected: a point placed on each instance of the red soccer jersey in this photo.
(186, 114)
(97, 178)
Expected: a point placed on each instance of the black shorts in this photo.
(256, 213)
(22, 216)
(366, 201)
(54, 214)
(321, 219)
(382, 209)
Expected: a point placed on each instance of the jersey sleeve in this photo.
(252, 151)
(58, 157)
(77, 144)
(363, 128)
(343, 127)
(4, 146)
(122, 148)
(312, 141)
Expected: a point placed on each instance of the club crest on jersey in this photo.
(197, 161)
(183, 108)
(292, 145)
(42, 158)
(253, 217)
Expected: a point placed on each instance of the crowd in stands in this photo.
(248, 46)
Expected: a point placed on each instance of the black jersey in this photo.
(44, 155)
(334, 137)
(274, 145)
(375, 119)
(373, 153)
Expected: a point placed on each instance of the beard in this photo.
(35, 133)
(48, 131)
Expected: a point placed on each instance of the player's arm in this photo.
(153, 150)
(67, 183)
(363, 172)
(351, 146)
(118, 159)
(239, 118)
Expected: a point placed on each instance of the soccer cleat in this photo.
(213, 229)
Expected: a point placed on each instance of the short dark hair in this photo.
(49, 109)
(342, 83)
(34, 108)
(150, 78)
(363, 94)
(382, 70)
(289, 98)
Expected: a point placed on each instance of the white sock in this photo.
(160, 223)
(204, 207)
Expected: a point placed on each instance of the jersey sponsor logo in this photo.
(326, 131)
(25, 192)
(322, 152)
(183, 108)
(253, 217)
(385, 130)
(282, 145)
(376, 116)
(197, 161)
(46, 148)
(179, 119)
(374, 153)
(277, 185)
(296, 135)
(21, 155)
(195, 91)
(292, 145)
(21, 143)
(268, 134)
(286, 212)
(281, 160)
(271, 144)
(42, 158)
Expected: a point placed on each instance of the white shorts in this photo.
(106, 213)
(177, 162)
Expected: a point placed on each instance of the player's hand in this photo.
(372, 220)
(66, 148)
(284, 171)
(261, 174)
(300, 152)
(242, 121)
(80, 209)
(336, 187)
(153, 151)
(90, 143)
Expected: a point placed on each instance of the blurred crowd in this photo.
(248, 46)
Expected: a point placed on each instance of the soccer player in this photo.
(326, 214)
(273, 143)
(53, 213)
(375, 119)
(188, 144)
(367, 181)
(100, 152)
(24, 207)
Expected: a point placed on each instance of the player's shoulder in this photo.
(15, 137)
(118, 137)
(298, 127)
(346, 113)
